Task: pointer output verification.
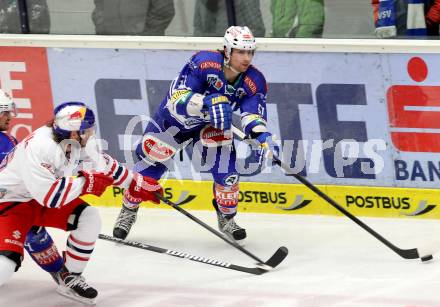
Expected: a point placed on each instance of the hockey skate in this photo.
(230, 228)
(74, 286)
(124, 222)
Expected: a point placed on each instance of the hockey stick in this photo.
(258, 270)
(412, 253)
(276, 258)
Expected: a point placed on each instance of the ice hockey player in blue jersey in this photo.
(39, 243)
(7, 111)
(198, 107)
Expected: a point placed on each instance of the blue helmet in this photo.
(72, 116)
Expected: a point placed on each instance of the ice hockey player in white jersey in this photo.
(39, 244)
(38, 187)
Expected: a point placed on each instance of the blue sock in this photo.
(41, 248)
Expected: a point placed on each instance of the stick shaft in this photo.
(404, 253)
(207, 227)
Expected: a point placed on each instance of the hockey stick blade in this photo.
(276, 259)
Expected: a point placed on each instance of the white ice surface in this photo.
(332, 262)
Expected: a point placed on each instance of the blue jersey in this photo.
(203, 75)
(7, 143)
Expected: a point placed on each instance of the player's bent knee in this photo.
(17, 258)
(90, 220)
(72, 222)
(7, 268)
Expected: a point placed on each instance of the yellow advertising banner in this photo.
(297, 199)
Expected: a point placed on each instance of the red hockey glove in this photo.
(143, 188)
(96, 183)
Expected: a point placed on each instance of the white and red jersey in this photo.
(38, 169)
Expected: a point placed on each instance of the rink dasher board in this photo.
(277, 198)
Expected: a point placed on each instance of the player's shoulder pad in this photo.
(208, 61)
(254, 81)
(42, 144)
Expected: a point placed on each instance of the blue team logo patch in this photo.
(229, 90)
(2, 192)
(240, 92)
(231, 180)
(214, 81)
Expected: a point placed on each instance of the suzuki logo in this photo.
(16, 234)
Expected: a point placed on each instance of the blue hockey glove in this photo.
(220, 112)
(267, 146)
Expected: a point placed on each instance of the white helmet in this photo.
(238, 38)
(6, 103)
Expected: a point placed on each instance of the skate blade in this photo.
(67, 292)
(231, 238)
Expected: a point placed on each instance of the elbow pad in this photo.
(187, 103)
